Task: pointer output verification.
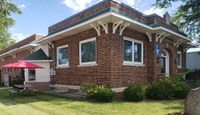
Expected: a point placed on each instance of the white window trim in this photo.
(80, 60)
(63, 65)
(180, 66)
(142, 55)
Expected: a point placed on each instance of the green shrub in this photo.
(98, 92)
(160, 89)
(104, 95)
(178, 77)
(180, 90)
(134, 93)
(16, 82)
(1, 84)
(193, 75)
(193, 78)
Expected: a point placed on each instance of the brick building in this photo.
(115, 45)
(26, 50)
(14, 53)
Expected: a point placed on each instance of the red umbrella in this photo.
(22, 64)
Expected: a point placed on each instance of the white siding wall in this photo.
(193, 60)
(42, 75)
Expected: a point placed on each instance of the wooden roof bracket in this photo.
(104, 25)
(122, 27)
(116, 25)
(149, 35)
(97, 28)
(161, 36)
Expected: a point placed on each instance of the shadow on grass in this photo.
(8, 100)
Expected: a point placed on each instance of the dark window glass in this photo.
(137, 52)
(88, 51)
(62, 56)
(31, 73)
(127, 50)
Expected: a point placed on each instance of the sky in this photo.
(38, 15)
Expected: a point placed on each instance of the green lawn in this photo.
(43, 104)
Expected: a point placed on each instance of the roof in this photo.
(22, 43)
(105, 6)
(38, 55)
(193, 50)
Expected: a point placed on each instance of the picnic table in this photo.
(26, 89)
(12, 92)
(22, 86)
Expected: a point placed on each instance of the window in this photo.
(31, 74)
(62, 56)
(87, 51)
(133, 51)
(179, 59)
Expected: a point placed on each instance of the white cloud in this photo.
(18, 36)
(76, 5)
(79, 5)
(22, 6)
(153, 10)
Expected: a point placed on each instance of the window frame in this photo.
(29, 74)
(179, 66)
(80, 56)
(62, 65)
(133, 60)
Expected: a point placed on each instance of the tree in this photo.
(187, 16)
(6, 9)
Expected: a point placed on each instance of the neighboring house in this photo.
(193, 59)
(26, 50)
(115, 45)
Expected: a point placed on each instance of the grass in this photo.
(43, 104)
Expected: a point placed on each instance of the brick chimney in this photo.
(167, 18)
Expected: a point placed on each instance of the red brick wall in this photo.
(110, 69)
(42, 86)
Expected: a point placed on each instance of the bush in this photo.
(1, 84)
(16, 82)
(180, 90)
(134, 93)
(193, 75)
(193, 78)
(178, 77)
(160, 89)
(104, 95)
(98, 92)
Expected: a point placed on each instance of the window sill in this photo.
(132, 64)
(87, 65)
(179, 67)
(66, 66)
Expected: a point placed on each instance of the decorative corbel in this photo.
(104, 25)
(185, 49)
(177, 43)
(31, 50)
(97, 28)
(116, 25)
(51, 44)
(149, 36)
(161, 36)
(13, 56)
(122, 27)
